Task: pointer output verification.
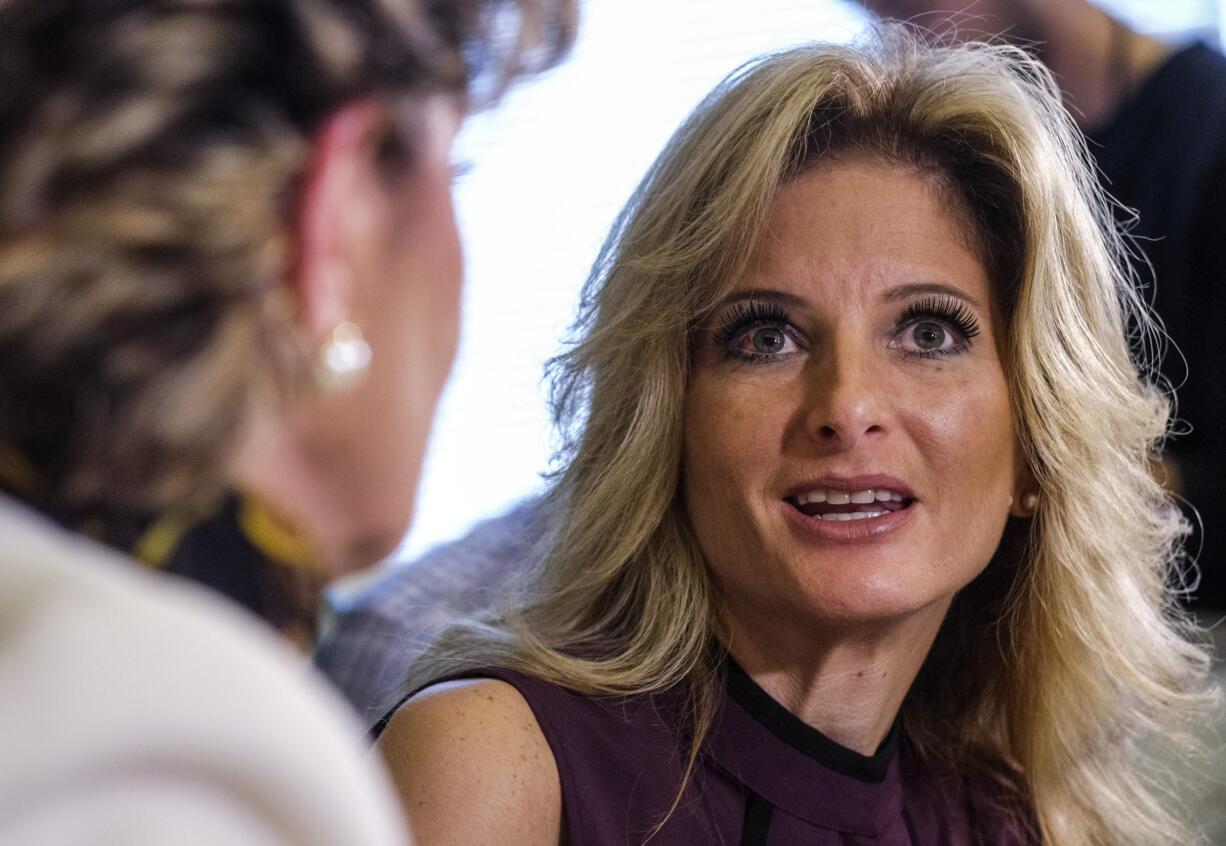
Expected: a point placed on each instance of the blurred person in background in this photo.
(229, 296)
(1155, 116)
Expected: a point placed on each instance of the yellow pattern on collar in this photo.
(276, 537)
(159, 541)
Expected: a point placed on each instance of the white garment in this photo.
(137, 710)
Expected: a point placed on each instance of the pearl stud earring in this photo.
(343, 360)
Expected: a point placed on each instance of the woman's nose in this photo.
(847, 396)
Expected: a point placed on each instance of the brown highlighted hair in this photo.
(150, 155)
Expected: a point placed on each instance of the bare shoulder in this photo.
(471, 765)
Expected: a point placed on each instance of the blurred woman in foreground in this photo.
(229, 287)
(856, 536)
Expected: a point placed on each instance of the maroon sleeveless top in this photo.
(764, 777)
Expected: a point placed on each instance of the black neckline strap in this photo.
(804, 738)
(757, 825)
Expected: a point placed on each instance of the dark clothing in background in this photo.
(764, 778)
(1164, 155)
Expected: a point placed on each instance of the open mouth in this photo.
(829, 504)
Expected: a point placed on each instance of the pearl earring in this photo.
(1030, 501)
(343, 360)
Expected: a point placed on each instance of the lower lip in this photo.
(847, 531)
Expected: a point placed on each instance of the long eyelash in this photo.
(742, 315)
(953, 312)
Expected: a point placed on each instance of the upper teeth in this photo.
(840, 497)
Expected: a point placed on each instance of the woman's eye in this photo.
(928, 337)
(764, 342)
(768, 340)
(757, 333)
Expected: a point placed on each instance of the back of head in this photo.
(152, 152)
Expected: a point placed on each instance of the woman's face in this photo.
(849, 447)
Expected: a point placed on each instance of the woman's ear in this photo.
(1025, 499)
(331, 220)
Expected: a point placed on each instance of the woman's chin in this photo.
(865, 600)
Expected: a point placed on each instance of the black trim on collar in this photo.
(804, 738)
(376, 731)
(757, 821)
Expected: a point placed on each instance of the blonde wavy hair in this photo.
(1057, 664)
(152, 155)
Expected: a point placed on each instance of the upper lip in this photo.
(876, 481)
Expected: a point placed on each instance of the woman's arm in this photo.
(471, 765)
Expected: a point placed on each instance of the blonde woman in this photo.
(229, 295)
(856, 538)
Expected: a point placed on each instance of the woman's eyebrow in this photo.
(912, 289)
(768, 294)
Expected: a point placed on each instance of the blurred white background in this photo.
(551, 168)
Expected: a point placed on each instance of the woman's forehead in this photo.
(862, 222)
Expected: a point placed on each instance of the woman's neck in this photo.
(848, 682)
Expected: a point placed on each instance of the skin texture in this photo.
(377, 246)
(472, 766)
(837, 630)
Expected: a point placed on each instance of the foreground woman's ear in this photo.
(334, 214)
(375, 291)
